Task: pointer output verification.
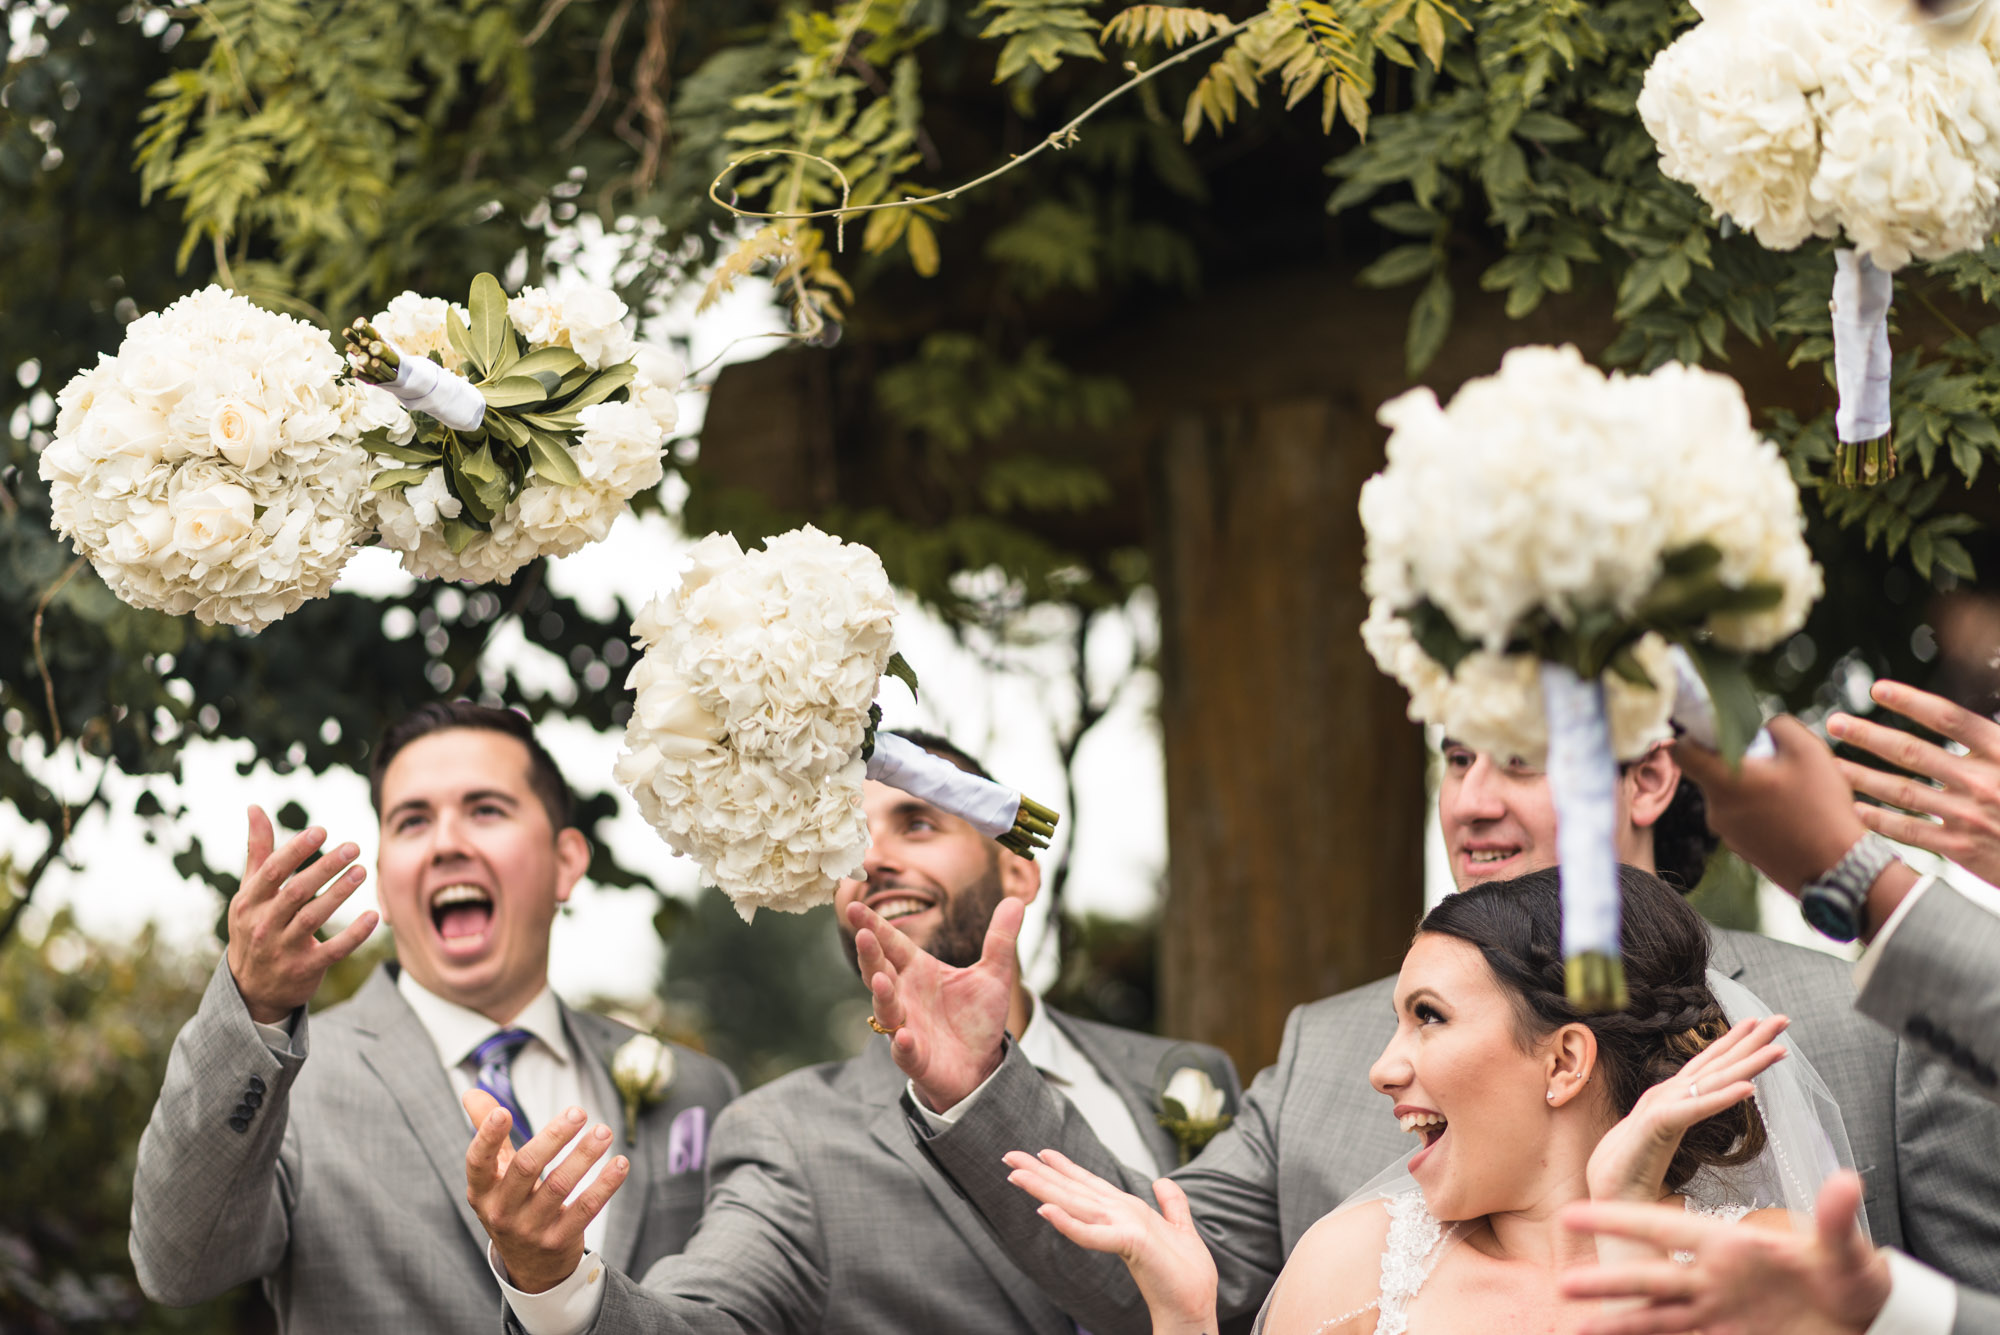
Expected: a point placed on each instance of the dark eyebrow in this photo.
(409, 804)
(914, 807)
(1409, 1002)
(491, 795)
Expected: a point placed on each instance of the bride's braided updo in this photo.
(1517, 926)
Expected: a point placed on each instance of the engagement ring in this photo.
(876, 1025)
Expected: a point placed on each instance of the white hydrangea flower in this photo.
(753, 689)
(416, 324)
(1552, 488)
(587, 319)
(1801, 118)
(212, 466)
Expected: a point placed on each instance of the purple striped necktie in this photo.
(495, 1058)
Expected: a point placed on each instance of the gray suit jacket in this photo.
(823, 1215)
(340, 1181)
(1312, 1131)
(1937, 980)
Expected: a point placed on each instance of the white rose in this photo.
(643, 1067)
(1199, 1098)
(155, 378)
(119, 428)
(212, 517)
(242, 434)
(143, 537)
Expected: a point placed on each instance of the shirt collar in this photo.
(1044, 1045)
(456, 1030)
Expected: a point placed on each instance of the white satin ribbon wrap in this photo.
(1861, 295)
(426, 387)
(1583, 780)
(985, 805)
(1694, 710)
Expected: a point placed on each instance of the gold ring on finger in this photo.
(879, 1028)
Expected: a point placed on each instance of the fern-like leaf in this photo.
(1150, 23)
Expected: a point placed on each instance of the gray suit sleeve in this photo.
(1231, 1186)
(1937, 983)
(212, 1188)
(1978, 1313)
(1945, 1134)
(756, 1263)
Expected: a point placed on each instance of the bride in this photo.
(1522, 1106)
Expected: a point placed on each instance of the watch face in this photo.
(1830, 914)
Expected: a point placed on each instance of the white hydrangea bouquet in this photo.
(213, 465)
(1838, 118)
(755, 724)
(539, 418)
(1542, 552)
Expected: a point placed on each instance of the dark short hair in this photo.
(939, 746)
(1682, 841)
(442, 716)
(1517, 926)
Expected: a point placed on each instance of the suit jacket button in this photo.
(253, 1099)
(239, 1124)
(242, 1110)
(256, 1084)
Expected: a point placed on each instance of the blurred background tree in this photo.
(1149, 360)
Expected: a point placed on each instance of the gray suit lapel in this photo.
(880, 1083)
(398, 1049)
(1118, 1065)
(595, 1042)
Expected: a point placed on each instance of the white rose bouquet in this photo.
(537, 456)
(1802, 118)
(1535, 547)
(212, 465)
(754, 723)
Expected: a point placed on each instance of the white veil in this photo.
(1806, 1139)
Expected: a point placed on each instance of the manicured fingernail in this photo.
(573, 1115)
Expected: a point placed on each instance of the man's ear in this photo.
(1020, 878)
(572, 861)
(1650, 783)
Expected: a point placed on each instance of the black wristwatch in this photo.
(1835, 902)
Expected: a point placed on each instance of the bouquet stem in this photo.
(1034, 826)
(1864, 463)
(1595, 981)
(1861, 367)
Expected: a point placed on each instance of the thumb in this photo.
(1705, 766)
(477, 1104)
(1173, 1203)
(1834, 1221)
(998, 952)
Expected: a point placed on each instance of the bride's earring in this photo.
(1552, 1096)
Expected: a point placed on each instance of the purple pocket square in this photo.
(687, 1141)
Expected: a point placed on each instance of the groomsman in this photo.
(823, 1214)
(325, 1156)
(1313, 1130)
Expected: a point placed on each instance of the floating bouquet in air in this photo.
(213, 466)
(754, 723)
(538, 419)
(1542, 551)
(1804, 118)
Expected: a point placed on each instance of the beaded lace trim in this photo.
(1416, 1240)
(1729, 1214)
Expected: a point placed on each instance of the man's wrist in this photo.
(943, 1098)
(537, 1271)
(1890, 889)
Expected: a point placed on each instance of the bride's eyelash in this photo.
(1426, 1012)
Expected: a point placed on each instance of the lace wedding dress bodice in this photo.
(1417, 1241)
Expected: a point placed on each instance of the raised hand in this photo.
(275, 954)
(1790, 815)
(539, 1238)
(1630, 1163)
(1955, 798)
(1168, 1259)
(947, 1024)
(1743, 1280)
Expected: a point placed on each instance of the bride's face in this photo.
(1461, 1081)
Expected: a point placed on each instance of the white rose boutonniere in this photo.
(1193, 1109)
(643, 1070)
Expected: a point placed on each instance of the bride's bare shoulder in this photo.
(1334, 1272)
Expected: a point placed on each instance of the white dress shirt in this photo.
(545, 1073)
(571, 1307)
(1921, 1301)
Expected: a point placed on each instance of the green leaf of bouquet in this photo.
(1172, 1109)
(458, 534)
(899, 668)
(559, 360)
(552, 462)
(398, 477)
(561, 422)
(509, 360)
(1699, 559)
(489, 318)
(1737, 715)
(460, 338)
(516, 391)
(510, 428)
(574, 381)
(413, 453)
(1437, 636)
(480, 484)
(608, 382)
(1626, 664)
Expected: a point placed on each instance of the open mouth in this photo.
(896, 904)
(1428, 1125)
(1479, 860)
(461, 912)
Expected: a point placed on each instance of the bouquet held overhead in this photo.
(227, 462)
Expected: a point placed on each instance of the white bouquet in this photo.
(1534, 548)
(213, 466)
(1801, 118)
(754, 723)
(542, 454)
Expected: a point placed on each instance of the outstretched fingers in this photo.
(894, 947)
(575, 1165)
(1173, 1201)
(1667, 1228)
(487, 1158)
(1835, 1218)
(1002, 933)
(598, 1194)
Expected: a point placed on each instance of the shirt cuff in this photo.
(939, 1121)
(278, 1037)
(1864, 968)
(1921, 1301)
(570, 1308)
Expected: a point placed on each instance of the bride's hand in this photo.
(1630, 1163)
(1168, 1260)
